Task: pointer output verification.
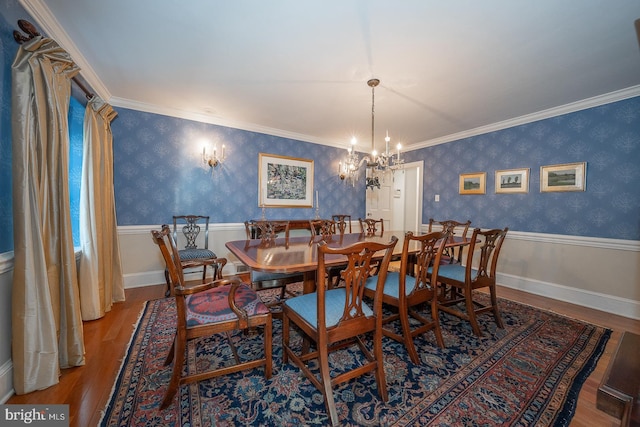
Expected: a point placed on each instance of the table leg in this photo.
(309, 282)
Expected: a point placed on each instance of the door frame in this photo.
(419, 165)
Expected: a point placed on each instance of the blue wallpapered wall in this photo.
(606, 137)
(158, 170)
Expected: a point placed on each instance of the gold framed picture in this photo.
(565, 177)
(284, 181)
(473, 183)
(512, 181)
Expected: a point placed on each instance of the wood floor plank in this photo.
(86, 389)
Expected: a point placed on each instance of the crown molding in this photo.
(529, 118)
(596, 101)
(219, 121)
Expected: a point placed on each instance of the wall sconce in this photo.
(213, 159)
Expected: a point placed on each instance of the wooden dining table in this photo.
(300, 255)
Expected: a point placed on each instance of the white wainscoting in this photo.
(592, 272)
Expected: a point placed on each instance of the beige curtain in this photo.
(101, 280)
(46, 322)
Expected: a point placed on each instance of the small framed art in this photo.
(566, 177)
(473, 183)
(512, 181)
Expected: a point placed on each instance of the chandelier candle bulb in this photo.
(386, 144)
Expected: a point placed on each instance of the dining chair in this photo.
(337, 318)
(371, 227)
(205, 309)
(323, 229)
(268, 232)
(406, 292)
(342, 221)
(467, 278)
(193, 256)
(450, 226)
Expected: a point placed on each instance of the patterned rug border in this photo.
(125, 359)
(564, 415)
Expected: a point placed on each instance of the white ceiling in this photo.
(298, 68)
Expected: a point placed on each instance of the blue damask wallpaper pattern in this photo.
(607, 138)
(159, 172)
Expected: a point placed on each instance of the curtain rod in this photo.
(31, 31)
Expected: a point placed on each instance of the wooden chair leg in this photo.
(406, 333)
(285, 339)
(174, 382)
(330, 403)
(267, 350)
(204, 274)
(435, 318)
(471, 312)
(380, 376)
(494, 303)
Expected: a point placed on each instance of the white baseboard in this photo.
(148, 278)
(595, 300)
(6, 381)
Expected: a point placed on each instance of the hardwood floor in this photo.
(86, 389)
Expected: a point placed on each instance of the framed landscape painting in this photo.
(512, 181)
(566, 177)
(285, 181)
(472, 183)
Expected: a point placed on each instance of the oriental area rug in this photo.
(527, 374)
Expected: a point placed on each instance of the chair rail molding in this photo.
(562, 239)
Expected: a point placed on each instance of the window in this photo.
(76, 124)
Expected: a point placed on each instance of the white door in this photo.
(379, 200)
(398, 201)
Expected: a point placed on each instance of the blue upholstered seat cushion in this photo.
(392, 284)
(189, 254)
(307, 307)
(259, 276)
(454, 271)
(212, 305)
